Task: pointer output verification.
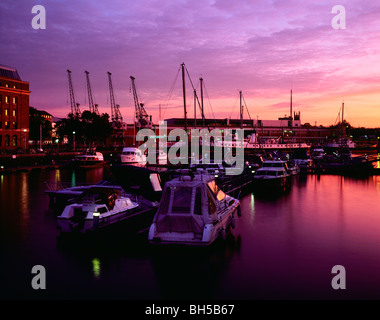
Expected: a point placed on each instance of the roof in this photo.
(9, 72)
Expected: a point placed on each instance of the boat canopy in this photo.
(188, 203)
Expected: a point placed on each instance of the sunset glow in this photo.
(263, 48)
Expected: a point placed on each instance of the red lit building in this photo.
(14, 110)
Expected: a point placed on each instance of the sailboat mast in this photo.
(184, 94)
(291, 104)
(203, 115)
(241, 112)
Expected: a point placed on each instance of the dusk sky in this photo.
(263, 48)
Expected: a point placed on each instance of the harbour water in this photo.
(284, 246)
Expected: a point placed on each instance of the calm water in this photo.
(283, 247)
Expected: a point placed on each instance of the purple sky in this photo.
(264, 48)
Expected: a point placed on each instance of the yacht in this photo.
(272, 174)
(132, 155)
(89, 158)
(193, 211)
(97, 207)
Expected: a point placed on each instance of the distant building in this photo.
(14, 110)
(41, 126)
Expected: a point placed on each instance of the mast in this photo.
(184, 95)
(195, 109)
(241, 111)
(203, 115)
(291, 105)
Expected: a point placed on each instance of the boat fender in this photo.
(238, 211)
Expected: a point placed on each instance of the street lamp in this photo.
(74, 140)
(25, 139)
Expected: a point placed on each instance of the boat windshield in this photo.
(273, 164)
(219, 194)
(182, 200)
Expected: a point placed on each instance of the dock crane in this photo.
(75, 110)
(116, 116)
(93, 107)
(143, 120)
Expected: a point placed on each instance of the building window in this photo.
(6, 140)
(14, 125)
(6, 123)
(7, 99)
(14, 112)
(14, 87)
(14, 100)
(7, 85)
(6, 112)
(14, 141)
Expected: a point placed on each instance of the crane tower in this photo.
(142, 118)
(115, 108)
(93, 107)
(75, 110)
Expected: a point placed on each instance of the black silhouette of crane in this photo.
(93, 107)
(75, 110)
(116, 116)
(143, 120)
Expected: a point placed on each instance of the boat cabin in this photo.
(189, 203)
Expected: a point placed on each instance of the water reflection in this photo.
(96, 268)
(193, 272)
(284, 245)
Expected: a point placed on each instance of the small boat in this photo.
(211, 167)
(132, 155)
(272, 174)
(60, 194)
(97, 207)
(89, 158)
(293, 167)
(193, 211)
(305, 165)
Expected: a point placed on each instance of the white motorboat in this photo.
(193, 211)
(272, 174)
(132, 155)
(89, 158)
(60, 193)
(97, 207)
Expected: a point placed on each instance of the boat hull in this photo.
(271, 183)
(132, 215)
(210, 232)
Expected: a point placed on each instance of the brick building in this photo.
(14, 110)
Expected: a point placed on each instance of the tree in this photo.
(90, 128)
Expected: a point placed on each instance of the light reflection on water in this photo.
(283, 246)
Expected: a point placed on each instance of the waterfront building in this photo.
(41, 127)
(14, 110)
(286, 128)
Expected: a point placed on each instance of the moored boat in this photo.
(272, 174)
(193, 211)
(97, 207)
(89, 158)
(132, 155)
